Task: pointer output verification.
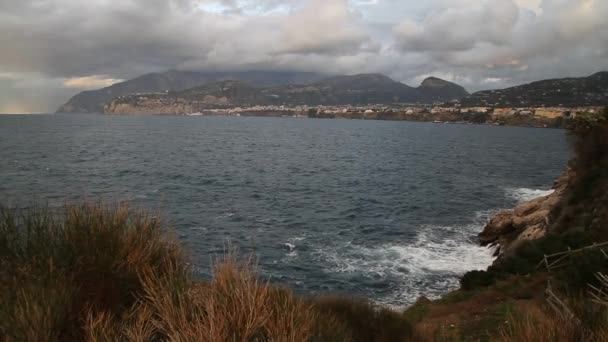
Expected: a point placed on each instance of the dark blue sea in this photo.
(386, 210)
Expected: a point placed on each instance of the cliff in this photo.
(549, 280)
(579, 202)
(530, 220)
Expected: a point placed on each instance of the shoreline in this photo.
(535, 123)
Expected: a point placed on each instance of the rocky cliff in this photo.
(530, 220)
(579, 203)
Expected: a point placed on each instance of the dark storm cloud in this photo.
(54, 47)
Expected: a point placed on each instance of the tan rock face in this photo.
(528, 221)
(538, 217)
(499, 225)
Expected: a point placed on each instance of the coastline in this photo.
(437, 118)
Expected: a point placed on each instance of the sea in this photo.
(377, 209)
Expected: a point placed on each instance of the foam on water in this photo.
(430, 265)
(526, 194)
(291, 245)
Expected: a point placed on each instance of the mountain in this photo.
(343, 90)
(564, 92)
(94, 100)
(339, 90)
(436, 89)
(366, 89)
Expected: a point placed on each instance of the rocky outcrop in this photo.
(148, 106)
(528, 221)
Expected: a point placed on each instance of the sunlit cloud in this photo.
(89, 82)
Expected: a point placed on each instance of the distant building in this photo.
(503, 112)
(549, 113)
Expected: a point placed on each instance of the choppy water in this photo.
(387, 210)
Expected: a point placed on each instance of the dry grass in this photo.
(99, 273)
(234, 306)
(538, 325)
(57, 267)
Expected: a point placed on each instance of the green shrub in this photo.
(477, 279)
(580, 271)
(416, 312)
(364, 320)
(529, 254)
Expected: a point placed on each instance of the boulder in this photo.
(501, 224)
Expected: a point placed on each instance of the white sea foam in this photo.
(525, 194)
(291, 245)
(430, 266)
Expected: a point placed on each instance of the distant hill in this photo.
(94, 100)
(364, 89)
(338, 90)
(565, 92)
(434, 89)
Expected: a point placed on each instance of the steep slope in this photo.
(435, 89)
(221, 93)
(567, 92)
(343, 90)
(94, 100)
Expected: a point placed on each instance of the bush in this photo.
(55, 267)
(365, 321)
(477, 279)
(580, 271)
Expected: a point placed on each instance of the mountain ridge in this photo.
(558, 92)
(360, 89)
(174, 80)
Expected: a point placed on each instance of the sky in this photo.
(53, 49)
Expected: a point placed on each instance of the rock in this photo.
(533, 232)
(528, 221)
(534, 218)
(500, 224)
(527, 208)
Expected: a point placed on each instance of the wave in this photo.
(526, 194)
(292, 247)
(430, 265)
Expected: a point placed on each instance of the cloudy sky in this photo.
(52, 49)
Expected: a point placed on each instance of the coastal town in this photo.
(553, 117)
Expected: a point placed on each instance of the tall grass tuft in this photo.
(100, 273)
(58, 267)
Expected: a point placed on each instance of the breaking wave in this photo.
(526, 194)
(429, 266)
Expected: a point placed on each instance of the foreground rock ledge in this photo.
(528, 221)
